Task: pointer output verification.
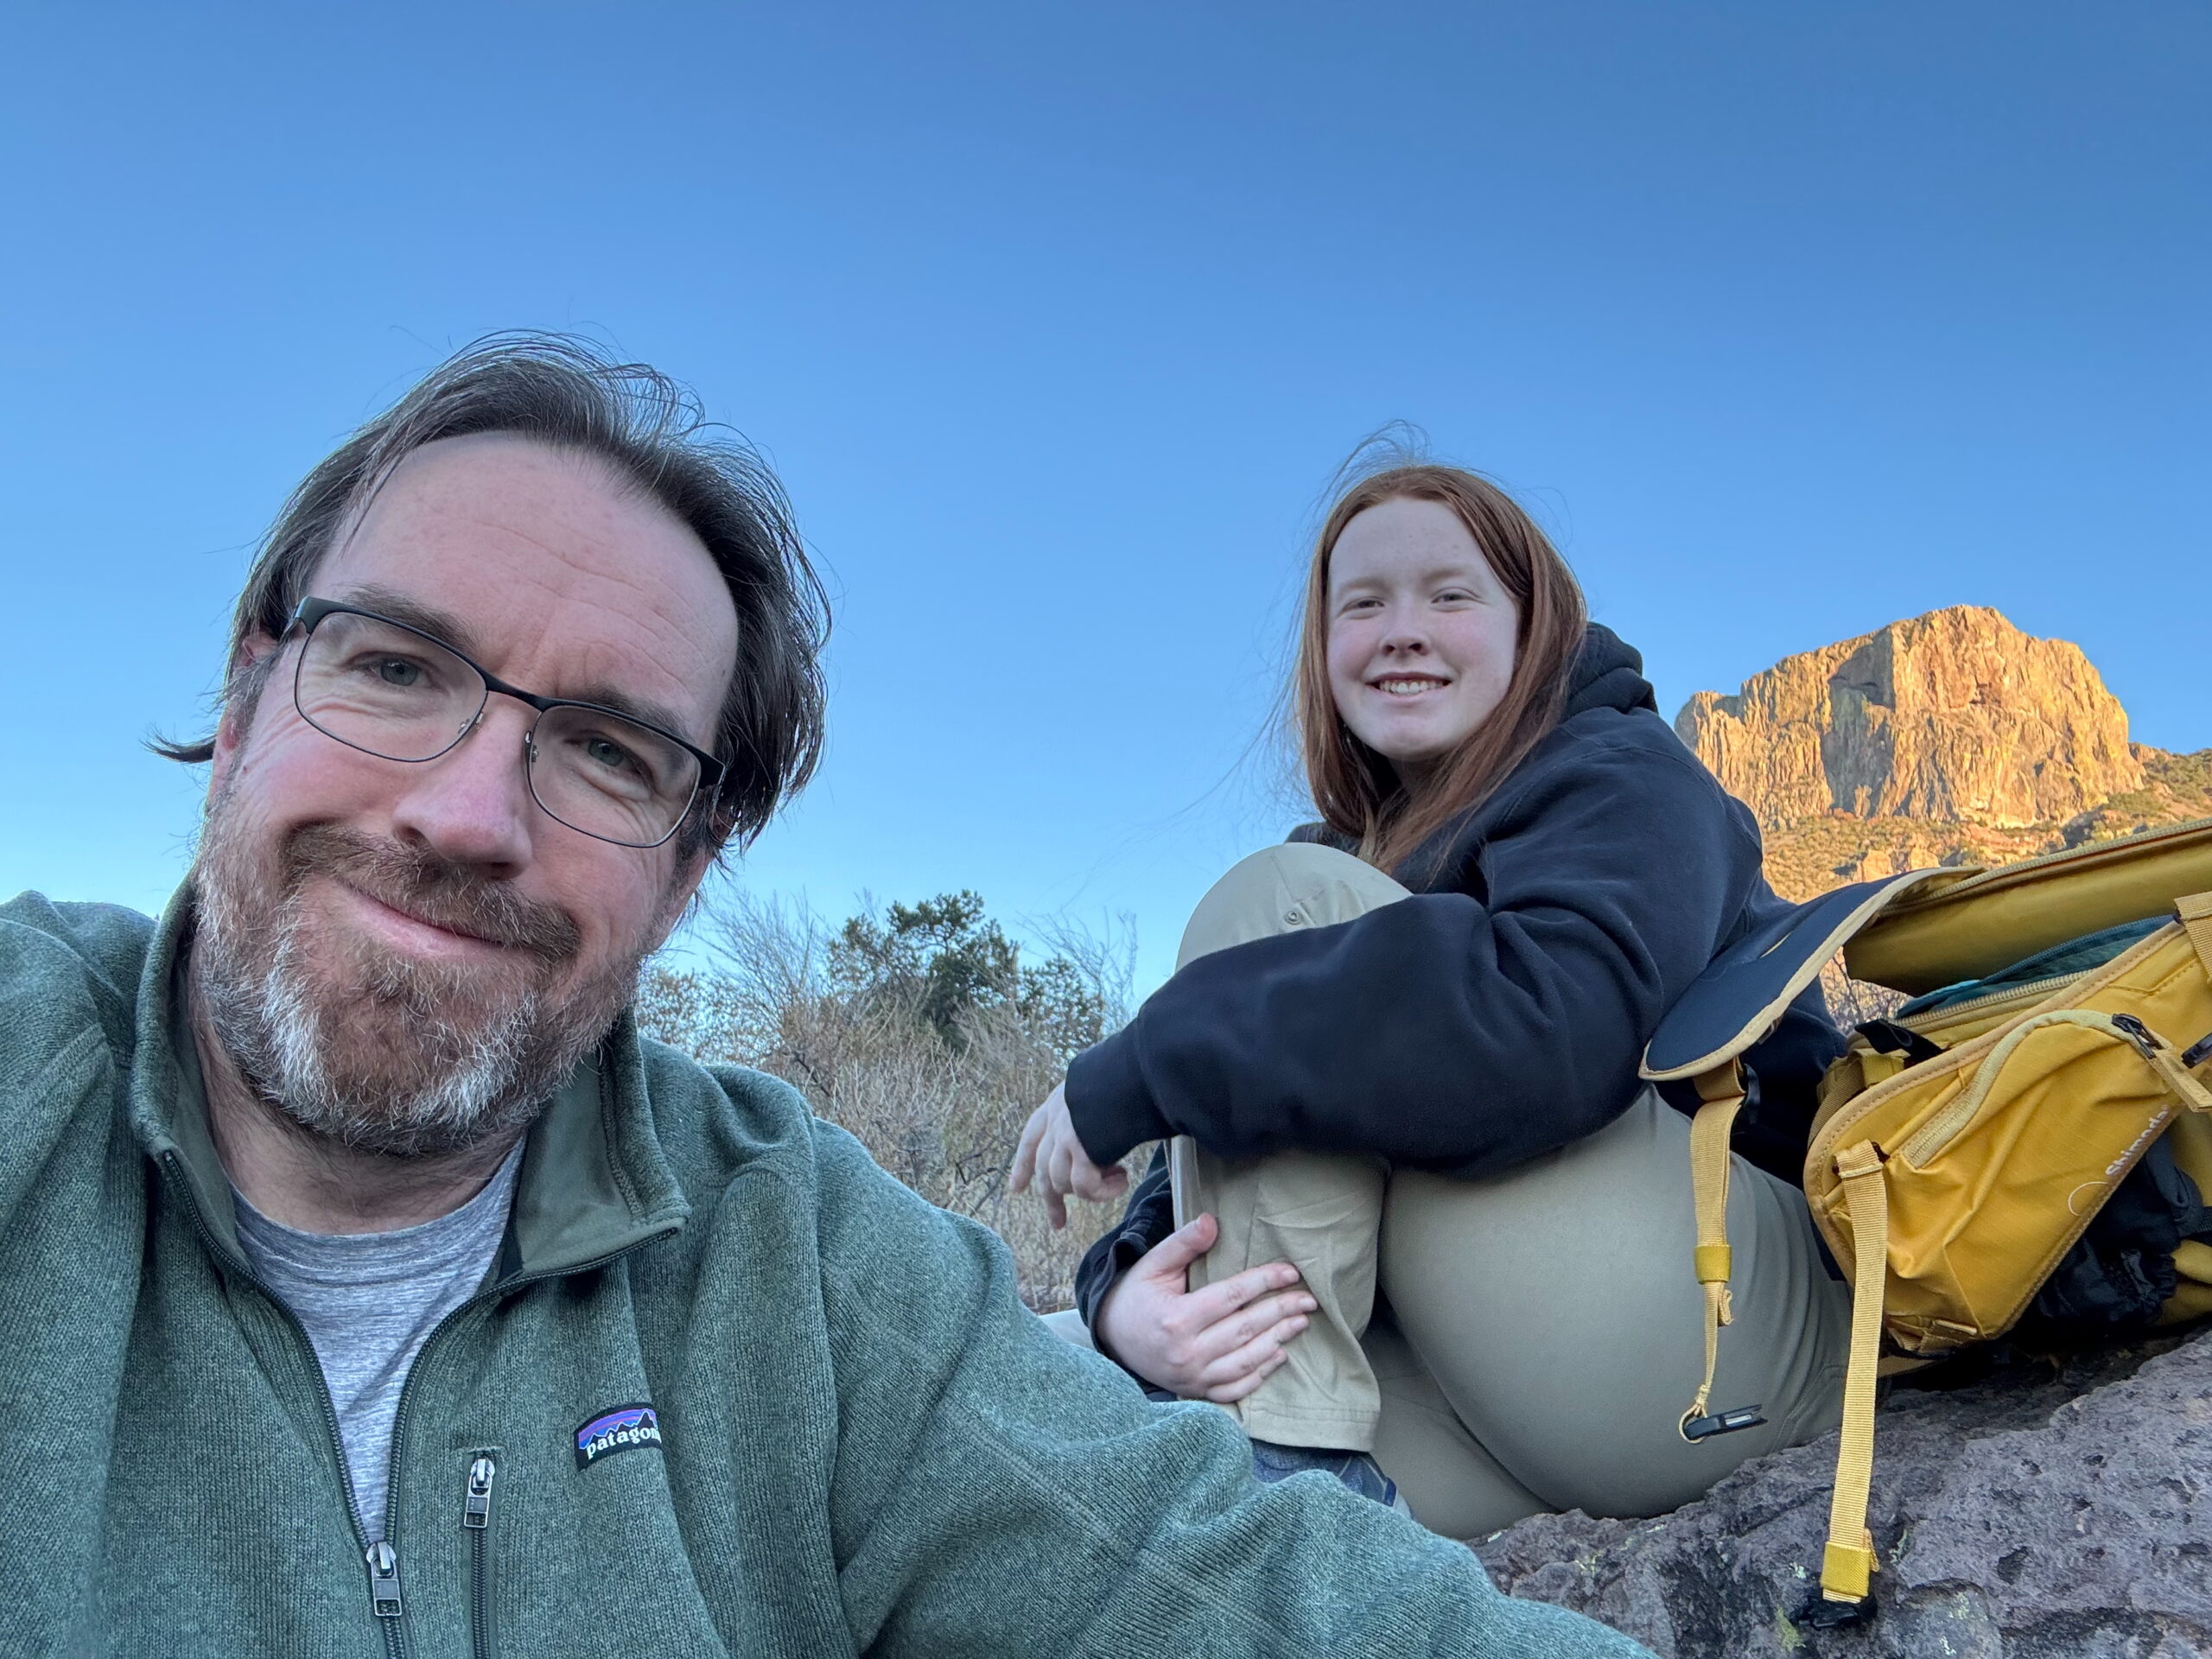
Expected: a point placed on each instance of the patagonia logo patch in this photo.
(625, 1429)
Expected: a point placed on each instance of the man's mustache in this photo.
(419, 884)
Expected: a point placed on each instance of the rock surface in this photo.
(1954, 716)
(2031, 1514)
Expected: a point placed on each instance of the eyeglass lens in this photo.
(390, 691)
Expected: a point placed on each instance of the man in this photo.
(370, 1287)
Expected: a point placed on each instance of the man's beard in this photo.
(380, 1052)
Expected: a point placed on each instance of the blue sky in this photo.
(1788, 319)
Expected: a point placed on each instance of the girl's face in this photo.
(1421, 633)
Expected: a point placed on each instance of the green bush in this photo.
(923, 1032)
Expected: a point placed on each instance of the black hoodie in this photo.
(1497, 1014)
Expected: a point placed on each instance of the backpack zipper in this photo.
(476, 1515)
(2028, 992)
(1939, 1131)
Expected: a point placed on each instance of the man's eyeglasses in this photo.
(394, 691)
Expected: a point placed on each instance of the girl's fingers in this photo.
(1099, 1185)
(1217, 1303)
(1261, 1350)
(1055, 1178)
(1024, 1154)
(1172, 1257)
(1056, 1207)
(1226, 1336)
(1228, 1394)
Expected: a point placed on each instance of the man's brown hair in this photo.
(1359, 793)
(655, 438)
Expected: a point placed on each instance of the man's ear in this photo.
(242, 689)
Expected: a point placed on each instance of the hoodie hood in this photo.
(1608, 674)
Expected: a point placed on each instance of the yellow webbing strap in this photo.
(1722, 1091)
(1848, 1562)
(2196, 913)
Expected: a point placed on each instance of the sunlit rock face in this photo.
(1950, 738)
(1953, 716)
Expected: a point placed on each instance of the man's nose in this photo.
(472, 804)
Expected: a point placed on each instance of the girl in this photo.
(1400, 1054)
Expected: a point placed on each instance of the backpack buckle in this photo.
(1722, 1422)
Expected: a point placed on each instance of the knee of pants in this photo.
(1557, 1308)
(1280, 890)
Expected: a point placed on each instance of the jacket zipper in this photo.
(385, 1599)
(394, 1628)
(387, 1603)
(384, 1553)
(476, 1515)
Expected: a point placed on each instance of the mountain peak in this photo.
(1955, 717)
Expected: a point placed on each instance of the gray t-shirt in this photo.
(369, 1301)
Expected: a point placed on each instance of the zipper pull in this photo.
(2193, 1095)
(383, 1580)
(2138, 1033)
(476, 1511)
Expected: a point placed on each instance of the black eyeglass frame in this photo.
(311, 613)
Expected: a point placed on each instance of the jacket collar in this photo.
(594, 1181)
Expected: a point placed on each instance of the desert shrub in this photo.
(920, 1029)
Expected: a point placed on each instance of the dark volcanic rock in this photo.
(2032, 1513)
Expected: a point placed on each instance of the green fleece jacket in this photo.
(858, 1439)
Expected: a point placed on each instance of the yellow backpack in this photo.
(1963, 1146)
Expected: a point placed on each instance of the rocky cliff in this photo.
(1950, 737)
(1954, 715)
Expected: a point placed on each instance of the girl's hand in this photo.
(1218, 1343)
(1051, 1152)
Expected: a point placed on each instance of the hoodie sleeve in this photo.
(1463, 1032)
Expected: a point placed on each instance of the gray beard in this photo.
(380, 1054)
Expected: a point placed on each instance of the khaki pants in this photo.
(1542, 1333)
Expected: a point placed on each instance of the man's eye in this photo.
(390, 670)
(606, 752)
